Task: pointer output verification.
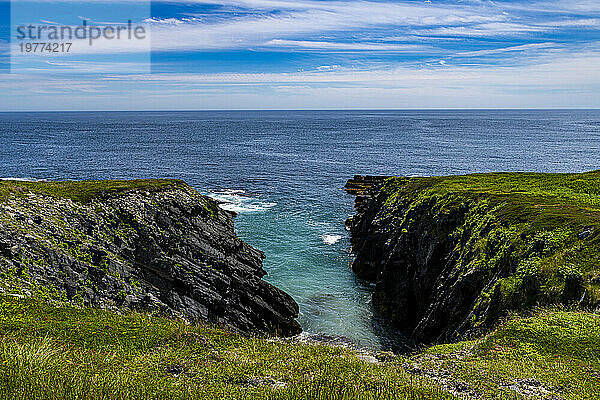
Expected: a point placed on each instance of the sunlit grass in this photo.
(558, 349)
(65, 352)
(58, 352)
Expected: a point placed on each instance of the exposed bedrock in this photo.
(450, 256)
(152, 245)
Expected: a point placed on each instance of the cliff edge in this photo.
(452, 255)
(143, 244)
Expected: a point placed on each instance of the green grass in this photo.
(549, 199)
(581, 189)
(559, 349)
(84, 191)
(51, 352)
(63, 352)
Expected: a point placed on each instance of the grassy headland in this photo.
(548, 224)
(468, 249)
(541, 230)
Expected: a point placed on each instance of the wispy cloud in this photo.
(488, 30)
(343, 54)
(501, 50)
(396, 88)
(340, 46)
(307, 18)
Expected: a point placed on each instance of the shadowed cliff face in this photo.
(165, 248)
(452, 257)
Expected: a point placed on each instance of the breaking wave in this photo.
(239, 201)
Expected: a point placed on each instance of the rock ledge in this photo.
(147, 244)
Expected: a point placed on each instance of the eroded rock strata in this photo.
(151, 244)
(450, 256)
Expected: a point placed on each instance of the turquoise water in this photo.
(283, 172)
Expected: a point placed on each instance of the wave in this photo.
(23, 179)
(239, 201)
(331, 239)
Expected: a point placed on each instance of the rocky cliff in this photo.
(147, 244)
(450, 256)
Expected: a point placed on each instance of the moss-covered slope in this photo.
(146, 244)
(451, 255)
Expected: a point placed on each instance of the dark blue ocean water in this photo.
(283, 172)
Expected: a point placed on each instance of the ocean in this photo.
(283, 172)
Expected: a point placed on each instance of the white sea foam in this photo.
(242, 208)
(238, 201)
(22, 179)
(331, 239)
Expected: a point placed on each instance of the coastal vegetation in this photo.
(84, 191)
(52, 350)
(508, 266)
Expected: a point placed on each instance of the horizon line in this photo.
(310, 109)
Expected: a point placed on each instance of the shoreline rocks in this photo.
(170, 250)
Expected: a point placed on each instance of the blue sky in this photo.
(279, 54)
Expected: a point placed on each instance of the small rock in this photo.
(368, 358)
(461, 387)
(265, 381)
(14, 250)
(175, 369)
(531, 382)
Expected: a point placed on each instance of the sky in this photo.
(309, 54)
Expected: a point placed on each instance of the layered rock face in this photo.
(450, 256)
(151, 245)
